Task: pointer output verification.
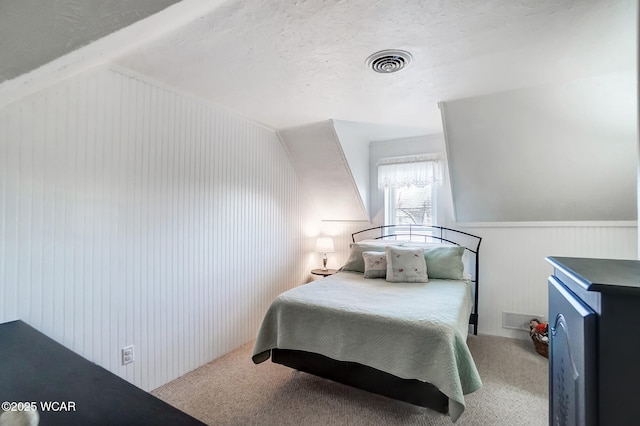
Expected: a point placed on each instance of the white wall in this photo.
(319, 160)
(355, 147)
(132, 214)
(558, 152)
(544, 171)
(513, 270)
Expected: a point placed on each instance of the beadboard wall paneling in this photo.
(513, 270)
(135, 215)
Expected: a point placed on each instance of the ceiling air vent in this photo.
(388, 61)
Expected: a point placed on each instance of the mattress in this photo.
(411, 330)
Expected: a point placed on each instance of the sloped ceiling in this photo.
(289, 64)
(324, 172)
(35, 32)
(557, 152)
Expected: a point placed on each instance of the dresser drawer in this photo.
(572, 358)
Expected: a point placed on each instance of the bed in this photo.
(391, 334)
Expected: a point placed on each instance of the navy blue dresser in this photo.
(594, 342)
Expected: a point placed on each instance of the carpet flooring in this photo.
(231, 390)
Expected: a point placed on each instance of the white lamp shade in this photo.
(324, 245)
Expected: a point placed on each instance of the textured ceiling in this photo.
(34, 32)
(290, 63)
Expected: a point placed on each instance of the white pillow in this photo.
(405, 264)
(375, 264)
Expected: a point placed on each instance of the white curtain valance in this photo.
(410, 171)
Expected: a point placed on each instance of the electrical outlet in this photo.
(127, 355)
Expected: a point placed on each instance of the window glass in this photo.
(410, 205)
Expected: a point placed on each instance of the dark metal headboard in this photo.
(440, 234)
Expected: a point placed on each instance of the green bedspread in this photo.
(410, 330)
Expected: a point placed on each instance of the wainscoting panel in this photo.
(513, 270)
(135, 215)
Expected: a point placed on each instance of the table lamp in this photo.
(324, 245)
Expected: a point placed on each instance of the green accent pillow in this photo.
(445, 263)
(355, 262)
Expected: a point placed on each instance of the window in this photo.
(409, 185)
(409, 206)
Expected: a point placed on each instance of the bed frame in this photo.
(373, 380)
(423, 233)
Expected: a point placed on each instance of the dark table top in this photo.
(602, 275)
(35, 368)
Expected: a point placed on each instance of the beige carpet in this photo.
(233, 391)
